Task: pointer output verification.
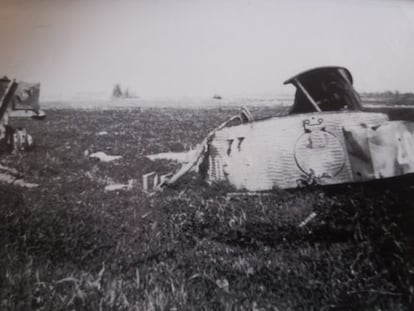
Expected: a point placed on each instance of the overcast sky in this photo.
(203, 47)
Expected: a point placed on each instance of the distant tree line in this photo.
(391, 97)
(118, 93)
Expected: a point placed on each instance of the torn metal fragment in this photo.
(103, 157)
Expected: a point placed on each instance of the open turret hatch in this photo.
(324, 89)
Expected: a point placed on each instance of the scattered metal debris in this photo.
(9, 170)
(11, 176)
(103, 157)
(181, 157)
(307, 220)
(117, 187)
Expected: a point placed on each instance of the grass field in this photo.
(69, 245)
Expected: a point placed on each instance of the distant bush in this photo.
(118, 93)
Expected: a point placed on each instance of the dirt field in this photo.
(69, 245)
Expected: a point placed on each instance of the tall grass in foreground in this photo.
(200, 250)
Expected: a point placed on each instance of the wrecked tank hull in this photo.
(320, 148)
(17, 99)
(326, 138)
(323, 148)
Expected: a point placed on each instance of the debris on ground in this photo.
(116, 187)
(12, 176)
(10, 170)
(103, 157)
(307, 220)
(10, 179)
(180, 157)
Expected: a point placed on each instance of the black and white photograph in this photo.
(207, 155)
